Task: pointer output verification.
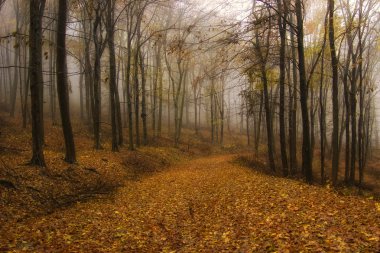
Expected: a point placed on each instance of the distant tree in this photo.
(1, 3)
(52, 60)
(143, 97)
(139, 15)
(16, 58)
(86, 23)
(322, 102)
(177, 54)
(262, 47)
(293, 101)
(131, 32)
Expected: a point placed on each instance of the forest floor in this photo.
(209, 204)
(194, 198)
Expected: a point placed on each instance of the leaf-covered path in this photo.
(205, 205)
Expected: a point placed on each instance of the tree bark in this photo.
(62, 82)
(306, 148)
(15, 73)
(335, 94)
(136, 85)
(36, 80)
(112, 69)
(128, 86)
(143, 98)
(99, 47)
(293, 106)
(282, 30)
(268, 113)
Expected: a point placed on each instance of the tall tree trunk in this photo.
(8, 79)
(268, 113)
(98, 44)
(36, 80)
(361, 99)
(195, 98)
(118, 106)
(268, 117)
(322, 121)
(112, 69)
(25, 95)
(335, 94)
(347, 121)
(157, 61)
(322, 114)
(160, 102)
(81, 92)
(258, 130)
(282, 30)
(88, 80)
(293, 105)
(306, 148)
(137, 86)
(128, 88)
(15, 73)
(62, 83)
(143, 98)
(181, 108)
(313, 109)
(353, 121)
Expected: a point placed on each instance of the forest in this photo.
(189, 126)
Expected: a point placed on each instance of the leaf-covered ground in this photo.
(205, 205)
(27, 191)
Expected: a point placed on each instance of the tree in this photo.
(62, 83)
(322, 102)
(306, 147)
(112, 74)
(335, 93)
(293, 101)
(143, 97)
(52, 59)
(99, 46)
(179, 52)
(263, 58)
(282, 31)
(1, 3)
(16, 59)
(36, 80)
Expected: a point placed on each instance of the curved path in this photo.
(206, 205)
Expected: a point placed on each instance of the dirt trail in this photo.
(205, 205)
